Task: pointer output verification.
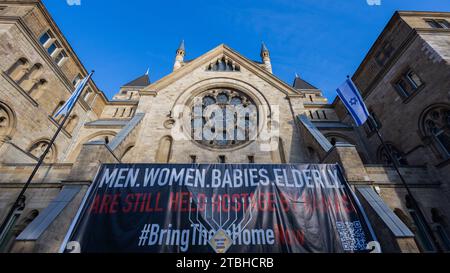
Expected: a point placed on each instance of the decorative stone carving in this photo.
(39, 148)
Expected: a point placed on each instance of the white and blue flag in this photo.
(353, 101)
(67, 107)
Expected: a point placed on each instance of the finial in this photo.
(264, 47)
(181, 46)
(148, 71)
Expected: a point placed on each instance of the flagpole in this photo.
(415, 204)
(36, 168)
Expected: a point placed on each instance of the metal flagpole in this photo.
(397, 169)
(36, 168)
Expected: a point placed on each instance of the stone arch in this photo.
(37, 148)
(434, 128)
(184, 99)
(164, 151)
(58, 106)
(31, 78)
(98, 136)
(19, 69)
(38, 89)
(7, 122)
(336, 137)
(126, 156)
(71, 124)
(382, 155)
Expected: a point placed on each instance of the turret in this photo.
(265, 56)
(179, 59)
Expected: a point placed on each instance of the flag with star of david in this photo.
(353, 101)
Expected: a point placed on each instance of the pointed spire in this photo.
(181, 46)
(179, 58)
(141, 81)
(148, 71)
(265, 56)
(300, 83)
(264, 48)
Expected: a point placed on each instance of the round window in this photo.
(223, 118)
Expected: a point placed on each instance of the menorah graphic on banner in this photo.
(213, 225)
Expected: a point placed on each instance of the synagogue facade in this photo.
(404, 79)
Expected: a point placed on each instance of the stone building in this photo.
(404, 80)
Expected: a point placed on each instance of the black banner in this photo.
(234, 208)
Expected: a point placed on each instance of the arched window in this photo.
(223, 65)
(164, 150)
(71, 124)
(19, 69)
(7, 121)
(37, 90)
(87, 95)
(337, 138)
(31, 78)
(383, 155)
(4, 121)
(223, 118)
(38, 149)
(59, 118)
(436, 125)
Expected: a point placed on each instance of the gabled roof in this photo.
(233, 55)
(299, 84)
(142, 81)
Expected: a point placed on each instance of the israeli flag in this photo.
(353, 101)
(67, 107)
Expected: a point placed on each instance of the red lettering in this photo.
(94, 207)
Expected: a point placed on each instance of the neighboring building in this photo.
(404, 79)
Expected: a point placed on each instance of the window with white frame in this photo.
(438, 23)
(45, 38)
(61, 57)
(76, 80)
(53, 47)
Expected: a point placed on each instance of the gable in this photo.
(237, 61)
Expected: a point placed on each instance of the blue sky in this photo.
(321, 40)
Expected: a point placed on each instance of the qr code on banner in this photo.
(352, 235)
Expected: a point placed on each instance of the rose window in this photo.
(223, 118)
